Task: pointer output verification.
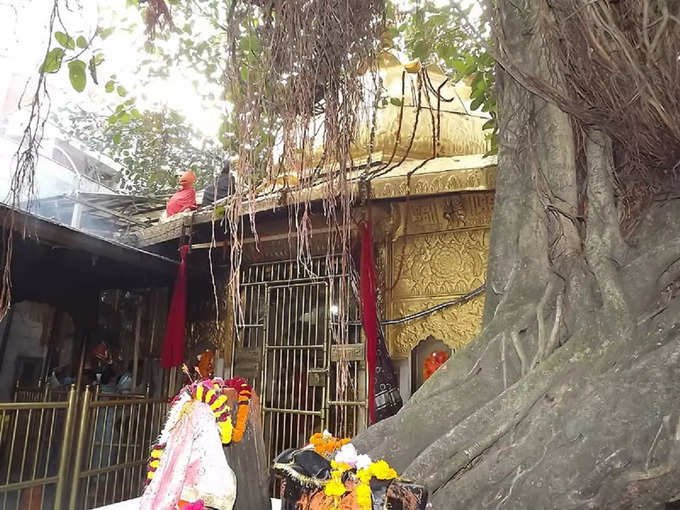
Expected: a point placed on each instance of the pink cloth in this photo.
(193, 466)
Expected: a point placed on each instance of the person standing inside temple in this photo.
(185, 198)
(222, 187)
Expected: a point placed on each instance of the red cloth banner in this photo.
(369, 311)
(173, 344)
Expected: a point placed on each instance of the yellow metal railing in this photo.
(112, 447)
(35, 442)
(44, 393)
(84, 451)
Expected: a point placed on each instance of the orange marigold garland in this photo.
(245, 392)
(325, 444)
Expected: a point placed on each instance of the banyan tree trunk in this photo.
(569, 397)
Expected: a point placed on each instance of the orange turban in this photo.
(187, 179)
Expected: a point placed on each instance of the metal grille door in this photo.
(307, 365)
(295, 364)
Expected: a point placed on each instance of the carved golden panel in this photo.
(439, 255)
(455, 326)
(440, 264)
(451, 212)
(435, 183)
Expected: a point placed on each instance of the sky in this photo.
(23, 38)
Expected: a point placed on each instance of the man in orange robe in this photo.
(185, 198)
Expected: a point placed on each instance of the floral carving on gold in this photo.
(441, 254)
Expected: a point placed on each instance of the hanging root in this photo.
(519, 349)
(604, 244)
(546, 344)
(22, 185)
(621, 59)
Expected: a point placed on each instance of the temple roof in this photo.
(406, 160)
(433, 177)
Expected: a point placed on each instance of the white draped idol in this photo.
(192, 469)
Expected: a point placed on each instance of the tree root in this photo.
(597, 460)
(603, 243)
(521, 472)
(452, 452)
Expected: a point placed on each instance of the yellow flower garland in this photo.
(336, 489)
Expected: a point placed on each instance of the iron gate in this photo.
(298, 341)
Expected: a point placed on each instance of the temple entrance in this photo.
(295, 364)
(299, 341)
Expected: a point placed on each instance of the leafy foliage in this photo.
(225, 46)
(152, 147)
(71, 50)
(445, 35)
(76, 73)
(53, 60)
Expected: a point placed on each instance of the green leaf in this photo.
(395, 101)
(121, 91)
(65, 40)
(393, 32)
(136, 114)
(76, 73)
(489, 124)
(117, 138)
(476, 103)
(81, 42)
(110, 85)
(104, 32)
(470, 65)
(421, 50)
(459, 66)
(244, 73)
(389, 10)
(492, 151)
(124, 118)
(52, 62)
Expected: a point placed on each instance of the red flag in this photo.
(173, 344)
(369, 311)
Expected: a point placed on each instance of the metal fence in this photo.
(42, 393)
(113, 441)
(84, 451)
(35, 440)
